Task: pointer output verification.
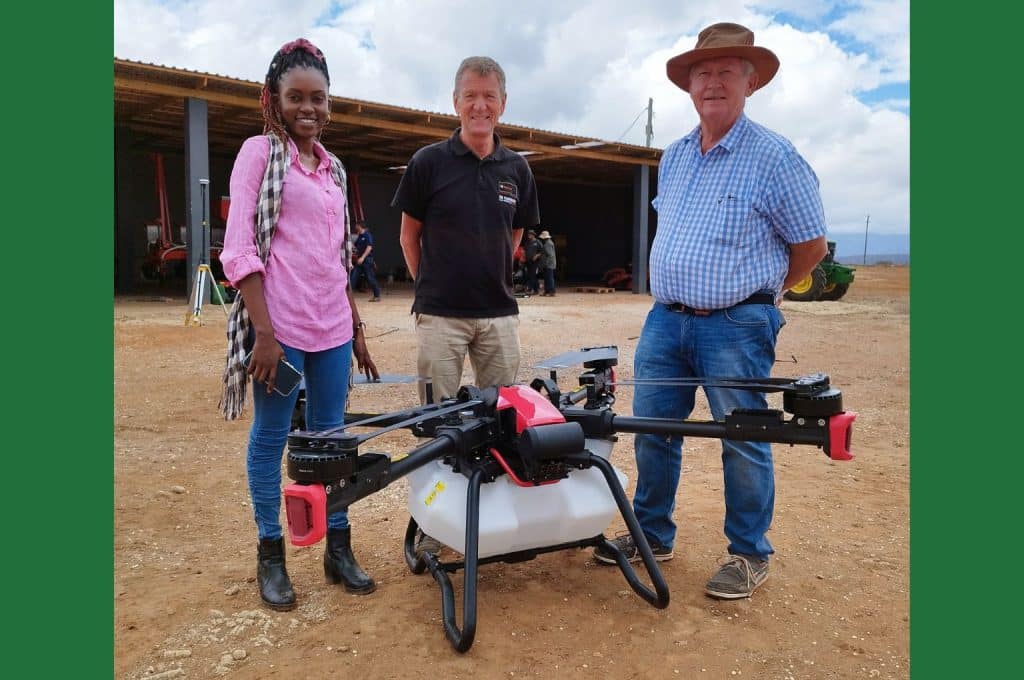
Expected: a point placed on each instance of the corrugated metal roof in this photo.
(149, 99)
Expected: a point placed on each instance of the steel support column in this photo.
(197, 167)
(641, 208)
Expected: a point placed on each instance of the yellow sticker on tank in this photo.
(438, 488)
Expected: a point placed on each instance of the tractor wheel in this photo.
(810, 288)
(834, 291)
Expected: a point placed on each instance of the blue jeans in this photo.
(549, 280)
(326, 377)
(731, 343)
(532, 284)
(365, 269)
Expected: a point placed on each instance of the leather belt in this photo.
(755, 299)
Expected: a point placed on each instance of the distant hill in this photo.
(898, 258)
(894, 248)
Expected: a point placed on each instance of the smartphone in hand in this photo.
(287, 379)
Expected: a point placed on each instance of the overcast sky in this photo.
(588, 68)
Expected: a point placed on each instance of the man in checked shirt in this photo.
(740, 220)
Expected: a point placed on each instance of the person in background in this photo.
(533, 254)
(740, 220)
(465, 202)
(363, 263)
(519, 268)
(287, 251)
(548, 262)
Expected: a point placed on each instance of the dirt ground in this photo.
(835, 606)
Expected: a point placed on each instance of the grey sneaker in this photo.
(738, 577)
(627, 545)
(426, 543)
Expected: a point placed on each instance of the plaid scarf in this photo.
(268, 208)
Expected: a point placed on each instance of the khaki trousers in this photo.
(444, 342)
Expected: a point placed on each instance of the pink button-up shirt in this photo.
(304, 282)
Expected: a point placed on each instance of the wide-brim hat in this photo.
(544, 234)
(724, 40)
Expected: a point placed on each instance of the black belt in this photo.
(755, 299)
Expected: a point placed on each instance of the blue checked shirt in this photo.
(725, 218)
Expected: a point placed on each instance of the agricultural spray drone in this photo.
(508, 473)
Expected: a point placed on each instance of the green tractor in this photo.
(827, 281)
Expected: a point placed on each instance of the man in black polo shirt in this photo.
(465, 203)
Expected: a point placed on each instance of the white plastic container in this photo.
(514, 518)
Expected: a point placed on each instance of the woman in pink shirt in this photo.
(287, 251)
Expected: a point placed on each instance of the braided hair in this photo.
(298, 53)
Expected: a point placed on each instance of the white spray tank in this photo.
(513, 517)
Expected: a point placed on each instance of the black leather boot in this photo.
(275, 586)
(340, 564)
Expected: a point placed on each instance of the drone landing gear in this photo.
(462, 639)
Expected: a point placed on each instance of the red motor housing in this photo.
(305, 506)
(840, 435)
(532, 408)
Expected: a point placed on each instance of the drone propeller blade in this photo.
(806, 384)
(385, 379)
(579, 357)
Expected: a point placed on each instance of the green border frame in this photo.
(59, 277)
(58, 270)
(965, 461)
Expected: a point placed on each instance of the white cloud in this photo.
(885, 26)
(585, 70)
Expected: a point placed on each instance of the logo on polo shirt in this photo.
(508, 192)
